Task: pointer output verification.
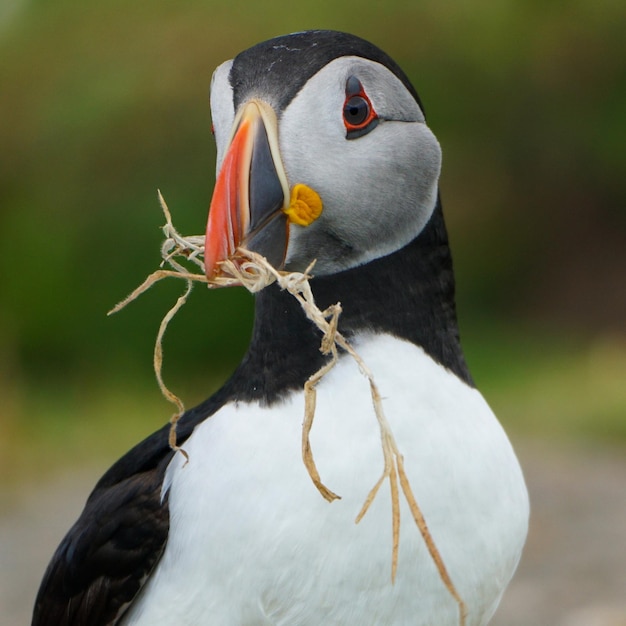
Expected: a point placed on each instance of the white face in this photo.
(222, 110)
(378, 190)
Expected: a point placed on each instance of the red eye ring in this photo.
(357, 112)
(359, 116)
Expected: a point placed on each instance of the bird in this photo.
(235, 531)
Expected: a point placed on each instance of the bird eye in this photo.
(356, 111)
(359, 116)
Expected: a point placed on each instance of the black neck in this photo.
(408, 294)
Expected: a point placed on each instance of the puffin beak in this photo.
(251, 193)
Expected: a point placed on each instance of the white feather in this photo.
(253, 542)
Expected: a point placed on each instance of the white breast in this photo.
(253, 542)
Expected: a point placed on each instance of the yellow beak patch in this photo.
(305, 205)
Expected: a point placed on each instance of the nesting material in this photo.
(253, 271)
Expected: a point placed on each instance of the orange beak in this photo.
(251, 193)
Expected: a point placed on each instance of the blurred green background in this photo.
(101, 103)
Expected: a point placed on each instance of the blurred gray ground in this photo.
(573, 572)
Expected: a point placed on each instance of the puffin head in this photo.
(323, 153)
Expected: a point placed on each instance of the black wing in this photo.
(108, 554)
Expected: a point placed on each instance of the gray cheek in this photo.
(330, 252)
(378, 192)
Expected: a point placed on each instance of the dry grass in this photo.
(253, 271)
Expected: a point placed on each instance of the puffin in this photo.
(234, 531)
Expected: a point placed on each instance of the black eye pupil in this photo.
(356, 110)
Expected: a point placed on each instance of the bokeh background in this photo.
(101, 103)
